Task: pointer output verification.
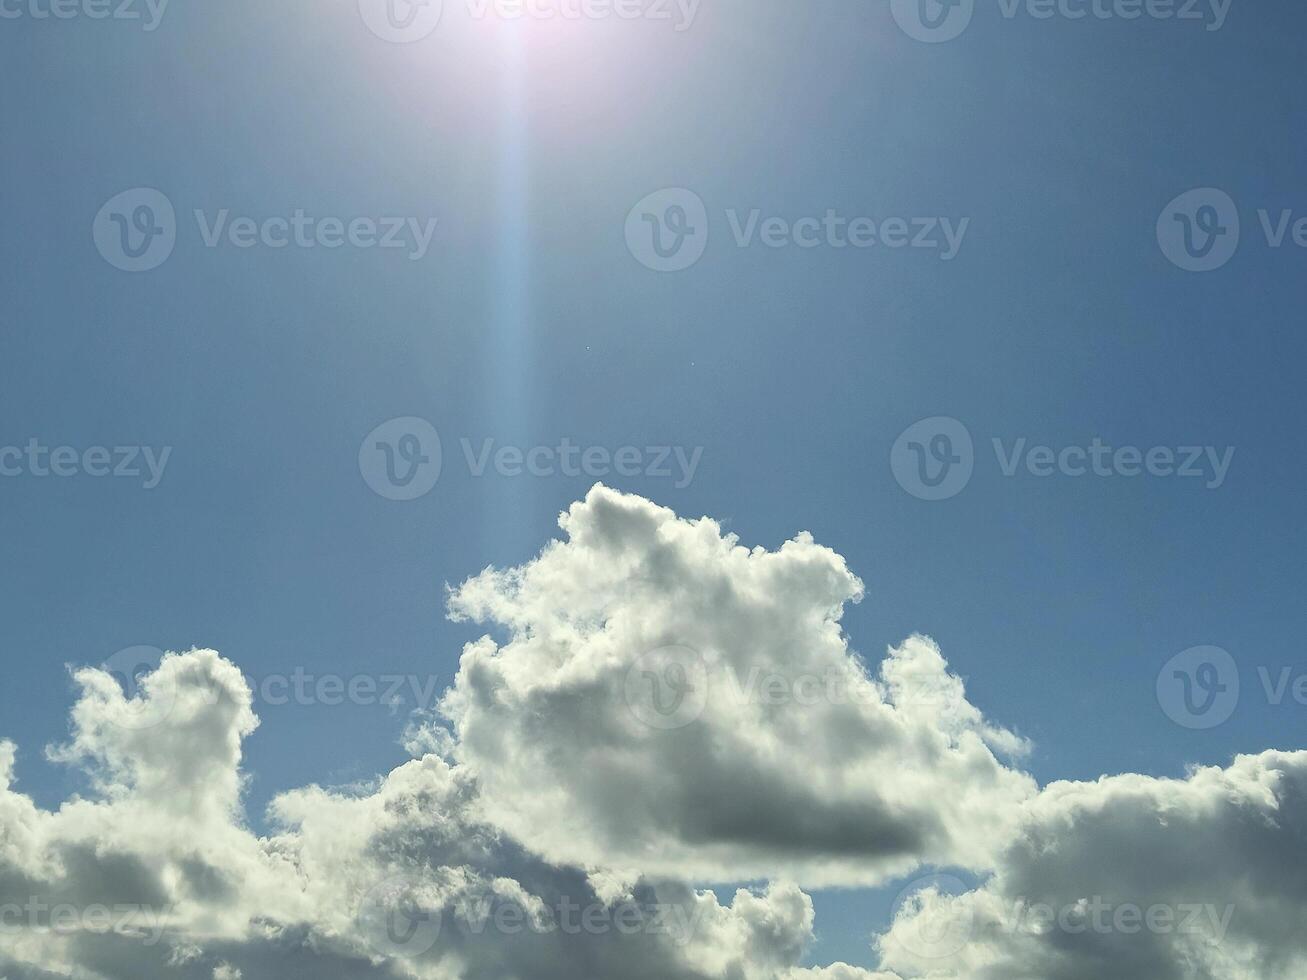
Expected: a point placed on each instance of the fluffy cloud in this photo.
(157, 877)
(1134, 878)
(694, 709)
(695, 712)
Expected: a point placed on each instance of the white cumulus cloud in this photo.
(778, 751)
(654, 708)
(1135, 878)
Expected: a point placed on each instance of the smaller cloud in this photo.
(1133, 877)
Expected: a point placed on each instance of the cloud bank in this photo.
(157, 877)
(654, 709)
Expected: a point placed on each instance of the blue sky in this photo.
(529, 320)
